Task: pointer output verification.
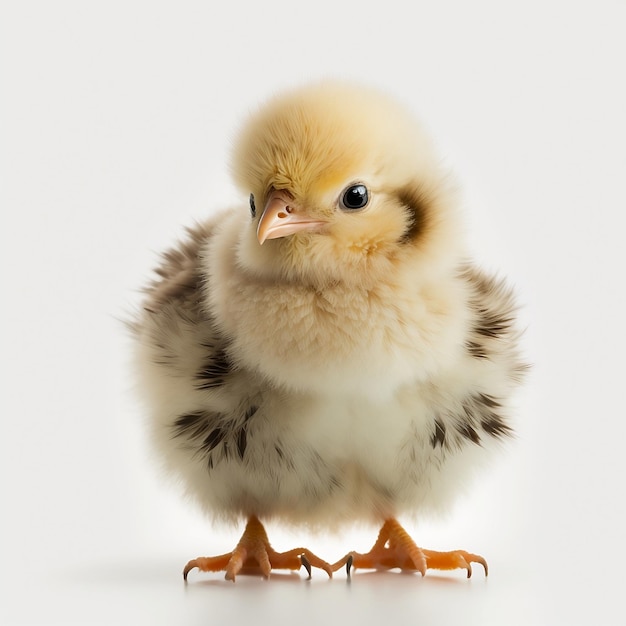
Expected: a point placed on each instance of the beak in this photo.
(281, 218)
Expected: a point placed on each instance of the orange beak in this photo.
(281, 218)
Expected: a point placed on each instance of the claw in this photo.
(191, 565)
(349, 565)
(307, 565)
(479, 559)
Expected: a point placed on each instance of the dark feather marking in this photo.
(242, 435)
(492, 324)
(468, 431)
(213, 439)
(285, 458)
(477, 415)
(476, 350)
(192, 425)
(179, 274)
(493, 304)
(242, 442)
(416, 203)
(487, 400)
(210, 438)
(215, 371)
(439, 436)
(494, 425)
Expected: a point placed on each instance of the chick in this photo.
(328, 355)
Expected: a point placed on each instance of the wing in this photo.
(491, 368)
(493, 335)
(175, 330)
(199, 403)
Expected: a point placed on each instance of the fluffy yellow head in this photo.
(311, 158)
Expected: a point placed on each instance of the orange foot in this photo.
(254, 554)
(395, 548)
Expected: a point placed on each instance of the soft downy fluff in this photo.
(317, 362)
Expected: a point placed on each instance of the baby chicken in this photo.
(328, 355)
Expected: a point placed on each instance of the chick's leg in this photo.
(254, 554)
(395, 548)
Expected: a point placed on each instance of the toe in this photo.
(455, 559)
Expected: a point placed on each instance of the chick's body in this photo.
(354, 366)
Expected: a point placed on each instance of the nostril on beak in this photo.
(285, 213)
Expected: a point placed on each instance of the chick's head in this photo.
(344, 186)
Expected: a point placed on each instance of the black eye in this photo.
(354, 197)
(252, 205)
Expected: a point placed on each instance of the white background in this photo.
(116, 119)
